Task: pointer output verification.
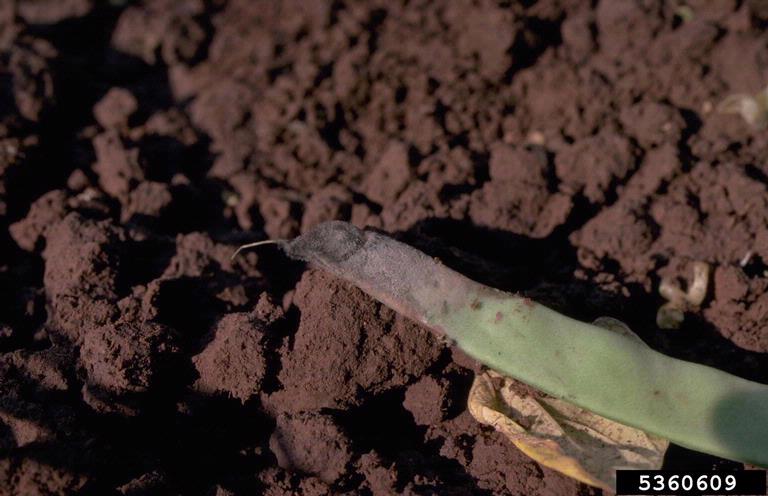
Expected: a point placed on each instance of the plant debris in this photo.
(562, 436)
(752, 108)
(672, 314)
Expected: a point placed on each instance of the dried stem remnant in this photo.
(752, 108)
(672, 313)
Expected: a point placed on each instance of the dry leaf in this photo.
(562, 436)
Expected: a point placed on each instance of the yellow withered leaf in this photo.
(562, 436)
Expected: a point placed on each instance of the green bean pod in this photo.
(610, 373)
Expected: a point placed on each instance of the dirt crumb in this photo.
(312, 444)
(427, 401)
(390, 175)
(115, 108)
(126, 360)
(594, 164)
(233, 362)
(52, 11)
(46, 211)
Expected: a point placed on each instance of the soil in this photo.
(570, 152)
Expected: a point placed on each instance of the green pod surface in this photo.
(616, 376)
(612, 374)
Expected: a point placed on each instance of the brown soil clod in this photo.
(564, 150)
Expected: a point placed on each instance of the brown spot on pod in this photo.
(528, 302)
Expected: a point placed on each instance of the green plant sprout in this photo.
(610, 373)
